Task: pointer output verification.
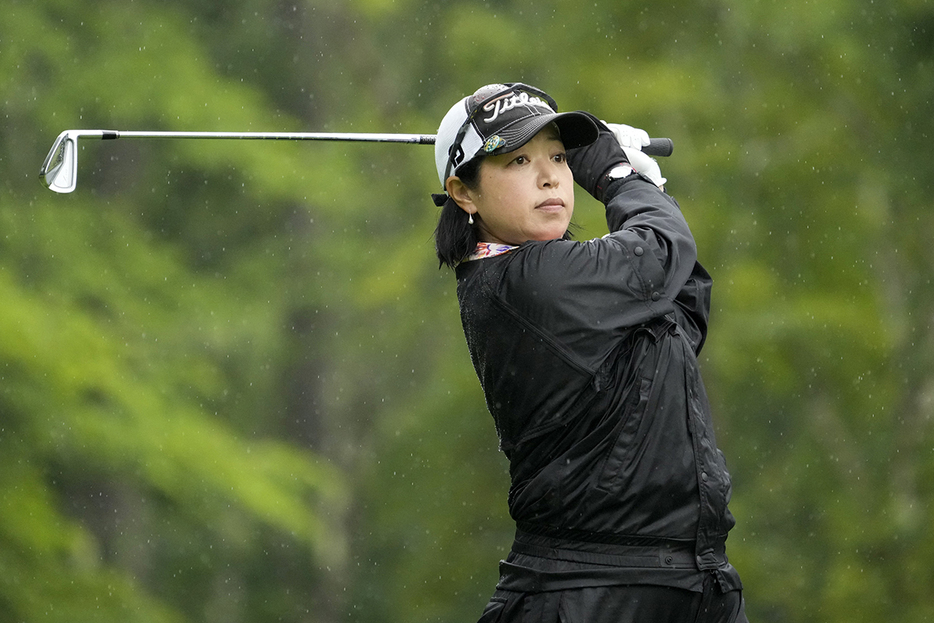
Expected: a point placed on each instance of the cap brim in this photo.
(577, 129)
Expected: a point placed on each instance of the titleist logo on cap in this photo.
(509, 101)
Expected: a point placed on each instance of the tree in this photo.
(234, 386)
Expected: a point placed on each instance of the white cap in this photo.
(499, 118)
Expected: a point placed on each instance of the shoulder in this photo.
(559, 273)
(559, 269)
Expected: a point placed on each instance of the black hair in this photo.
(455, 236)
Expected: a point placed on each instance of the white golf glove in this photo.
(629, 136)
(646, 165)
(632, 140)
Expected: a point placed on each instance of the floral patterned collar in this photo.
(488, 249)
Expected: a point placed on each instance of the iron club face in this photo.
(59, 171)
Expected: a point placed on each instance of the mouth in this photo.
(552, 204)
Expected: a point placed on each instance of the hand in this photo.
(628, 136)
(646, 165)
(632, 140)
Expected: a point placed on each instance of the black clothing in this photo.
(586, 352)
(618, 604)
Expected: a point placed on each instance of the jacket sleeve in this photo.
(637, 210)
(692, 307)
(690, 283)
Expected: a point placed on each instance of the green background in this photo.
(233, 383)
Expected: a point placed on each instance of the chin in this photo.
(556, 232)
(550, 236)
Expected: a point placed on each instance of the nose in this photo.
(548, 175)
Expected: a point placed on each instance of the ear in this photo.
(461, 195)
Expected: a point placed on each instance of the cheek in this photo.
(567, 177)
(499, 195)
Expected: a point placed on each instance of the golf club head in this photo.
(59, 172)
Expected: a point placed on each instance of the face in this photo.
(526, 194)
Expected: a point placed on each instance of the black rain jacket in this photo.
(586, 352)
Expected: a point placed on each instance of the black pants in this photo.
(618, 604)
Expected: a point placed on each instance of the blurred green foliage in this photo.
(233, 385)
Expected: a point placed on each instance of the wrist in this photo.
(616, 172)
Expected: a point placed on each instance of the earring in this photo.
(470, 219)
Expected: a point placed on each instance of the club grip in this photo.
(659, 147)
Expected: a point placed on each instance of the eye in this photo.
(520, 159)
(562, 157)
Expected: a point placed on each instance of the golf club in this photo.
(59, 171)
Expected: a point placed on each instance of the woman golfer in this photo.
(586, 352)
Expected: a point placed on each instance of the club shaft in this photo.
(657, 147)
(421, 139)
